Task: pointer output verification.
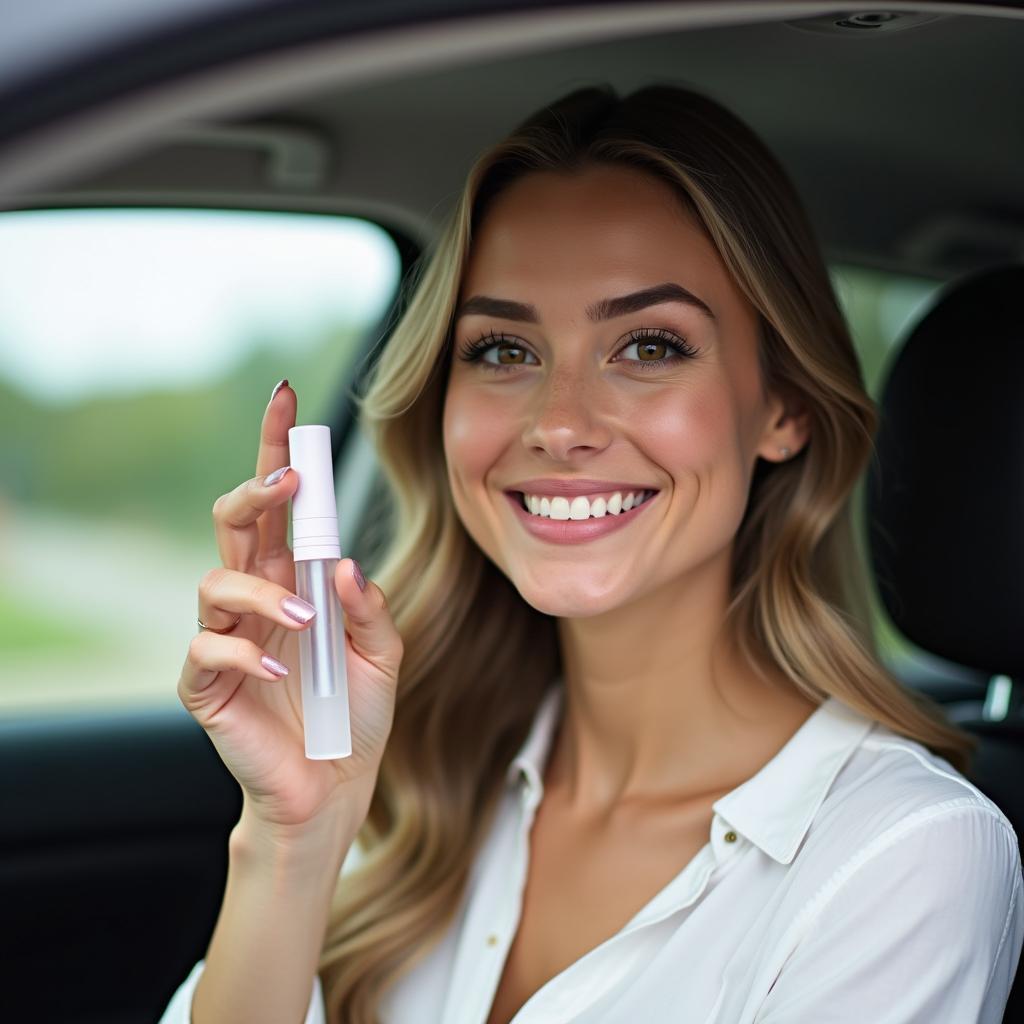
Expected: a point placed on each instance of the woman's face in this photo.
(569, 392)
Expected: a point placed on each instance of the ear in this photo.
(787, 426)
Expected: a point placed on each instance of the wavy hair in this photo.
(478, 658)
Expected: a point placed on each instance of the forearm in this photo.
(266, 944)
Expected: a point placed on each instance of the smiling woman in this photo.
(640, 724)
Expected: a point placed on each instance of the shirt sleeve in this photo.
(923, 927)
(179, 1009)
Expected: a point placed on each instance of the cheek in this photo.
(689, 429)
(474, 436)
(694, 435)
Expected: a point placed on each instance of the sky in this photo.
(94, 301)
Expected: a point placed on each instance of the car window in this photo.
(881, 307)
(138, 349)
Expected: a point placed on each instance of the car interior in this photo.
(899, 130)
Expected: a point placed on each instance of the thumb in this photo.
(368, 620)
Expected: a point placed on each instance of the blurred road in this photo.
(133, 590)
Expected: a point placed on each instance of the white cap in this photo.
(314, 504)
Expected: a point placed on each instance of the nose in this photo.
(565, 413)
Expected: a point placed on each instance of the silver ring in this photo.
(210, 629)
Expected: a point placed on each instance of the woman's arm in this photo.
(179, 1008)
(262, 959)
(925, 927)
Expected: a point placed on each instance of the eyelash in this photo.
(473, 351)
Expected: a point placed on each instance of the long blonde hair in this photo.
(478, 658)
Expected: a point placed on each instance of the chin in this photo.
(568, 599)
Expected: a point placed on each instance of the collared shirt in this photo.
(855, 877)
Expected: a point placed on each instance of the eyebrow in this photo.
(606, 309)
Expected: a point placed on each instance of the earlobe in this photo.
(789, 433)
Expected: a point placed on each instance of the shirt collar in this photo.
(774, 808)
(533, 753)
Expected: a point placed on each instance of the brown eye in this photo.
(648, 342)
(475, 351)
(644, 349)
(505, 349)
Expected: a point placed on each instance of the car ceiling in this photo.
(904, 140)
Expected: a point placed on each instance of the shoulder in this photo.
(896, 800)
(905, 782)
(907, 885)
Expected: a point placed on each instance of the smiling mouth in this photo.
(599, 509)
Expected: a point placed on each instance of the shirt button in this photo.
(730, 837)
(492, 940)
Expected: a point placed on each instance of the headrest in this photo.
(945, 494)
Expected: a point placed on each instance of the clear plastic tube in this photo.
(325, 714)
(322, 662)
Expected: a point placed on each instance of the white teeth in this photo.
(581, 507)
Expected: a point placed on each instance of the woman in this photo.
(640, 761)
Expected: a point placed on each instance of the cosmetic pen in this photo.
(317, 551)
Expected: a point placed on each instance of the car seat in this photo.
(945, 516)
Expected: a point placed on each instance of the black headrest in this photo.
(945, 495)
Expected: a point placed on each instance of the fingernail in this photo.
(278, 474)
(277, 387)
(358, 574)
(273, 665)
(299, 610)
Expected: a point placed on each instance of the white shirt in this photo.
(856, 877)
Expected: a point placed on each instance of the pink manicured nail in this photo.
(273, 665)
(358, 574)
(273, 478)
(297, 609)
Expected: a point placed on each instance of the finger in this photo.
(278, 417)
(210, 654)
(237, 513)
(217, 627)
(368, 620)
(226, 592)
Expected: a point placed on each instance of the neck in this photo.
(658, 705)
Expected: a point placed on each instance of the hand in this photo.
(231, 683)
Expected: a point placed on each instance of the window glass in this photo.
(881, 308)
(138, 349)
